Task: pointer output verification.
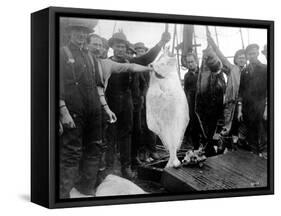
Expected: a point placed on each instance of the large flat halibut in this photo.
(167, 110)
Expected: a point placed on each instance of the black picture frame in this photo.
(44, 103)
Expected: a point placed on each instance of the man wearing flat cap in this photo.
(233, 72)
(140, 48)
(119, 97)
(131, 52)
(80, 111)
(107, 67)
(252, 105)
(144, 149)
(138, 85)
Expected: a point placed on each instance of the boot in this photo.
(86, 187)
(155, 155)
(128, 173)
(67, 177)
(88, 170)
(102, 163)
(141, 156)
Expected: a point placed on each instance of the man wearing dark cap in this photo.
(233, 72)
(119, 96)
(209, 100)
(140, 48)
(253, 94)
(144, 149)
(138, 86)
(131, 52)
(107, 67)
(80, 112)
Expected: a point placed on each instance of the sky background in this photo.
(150, 33)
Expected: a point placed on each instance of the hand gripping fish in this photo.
(167, 110)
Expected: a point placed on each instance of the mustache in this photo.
(96, 51)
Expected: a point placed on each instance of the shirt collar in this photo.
(117, 59)
(194, 72)
(256, 63)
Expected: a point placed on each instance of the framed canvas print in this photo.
(138, 107)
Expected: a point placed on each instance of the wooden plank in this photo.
(233, 170)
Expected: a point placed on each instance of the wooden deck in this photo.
(232, 170)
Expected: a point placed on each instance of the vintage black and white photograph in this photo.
(160, 108)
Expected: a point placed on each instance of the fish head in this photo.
(165, 65)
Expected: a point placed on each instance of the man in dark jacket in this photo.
(144, 149)
(138, 86)
(119, 97)
(190, 87)
(80, 113)
(209, 99)
(253, 103)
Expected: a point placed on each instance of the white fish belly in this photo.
(167, 112)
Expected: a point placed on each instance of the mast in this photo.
(174, 38)
(217, 38)
(114, 27)
(177, 50)
(208, 33)
(242, 41)
(248, 36)
(195, 43)
(166, 27)
(166, 30)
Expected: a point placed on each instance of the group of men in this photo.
(102, 105)
(230, 103)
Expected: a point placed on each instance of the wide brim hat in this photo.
(68, 24)
(140, 45)
(118, 37)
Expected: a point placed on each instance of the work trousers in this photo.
(148, 141)
(80, 151)
(256, 133)
(229, 113)
(137, 135)
(119, 134)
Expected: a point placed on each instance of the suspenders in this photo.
(96, 69)
(69, 54)
(71, 61)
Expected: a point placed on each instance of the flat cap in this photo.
(140, 45)
(251, 46)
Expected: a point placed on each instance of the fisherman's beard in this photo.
(120, 54)
(96, 52)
